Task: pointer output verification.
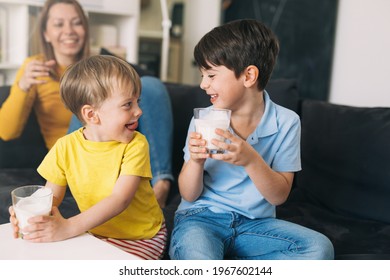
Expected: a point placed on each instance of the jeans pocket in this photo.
(182, 214)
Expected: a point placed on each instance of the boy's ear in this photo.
(251, 75)
(89, 114)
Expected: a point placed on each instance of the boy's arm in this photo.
(191, 176)
(274, 186)
(191, 180)
(58, 193)
(56, 228)
(120, 198)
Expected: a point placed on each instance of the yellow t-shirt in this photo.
(90, 169)
(53, 117)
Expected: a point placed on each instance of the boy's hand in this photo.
(14, 222)
(47, 228)
(197, 148)
(238, 151)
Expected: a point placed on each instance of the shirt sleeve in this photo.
(52, 166)
(17, 108)
(288, 156)
(136, 160)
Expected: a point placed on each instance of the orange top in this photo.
(52, 116)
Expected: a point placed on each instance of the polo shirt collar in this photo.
(268, 123)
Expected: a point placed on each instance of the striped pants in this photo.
(147, 249)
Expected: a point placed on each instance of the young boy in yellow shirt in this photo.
(105, 163)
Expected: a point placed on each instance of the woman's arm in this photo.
(16, 109)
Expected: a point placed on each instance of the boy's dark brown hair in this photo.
(238, 44)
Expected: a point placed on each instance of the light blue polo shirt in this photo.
(227, 187)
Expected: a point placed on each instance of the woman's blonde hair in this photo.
(92, 80)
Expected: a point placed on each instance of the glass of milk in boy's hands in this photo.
(207, 120)
(30, 201)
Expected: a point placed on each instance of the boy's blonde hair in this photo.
(92, 80)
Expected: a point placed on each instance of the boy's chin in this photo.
(127, 139)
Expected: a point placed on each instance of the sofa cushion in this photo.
(352, 237)
(346, 159)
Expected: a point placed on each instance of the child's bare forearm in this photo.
(98, 214)
(274, 186)
(191, 180)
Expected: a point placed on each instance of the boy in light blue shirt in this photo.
(228, 200)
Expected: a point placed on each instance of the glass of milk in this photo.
(207, 120)
(30, 201)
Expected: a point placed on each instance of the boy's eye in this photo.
(208, 76)
(130, 103)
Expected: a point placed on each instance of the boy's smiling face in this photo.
(221, 84)
(118, 116)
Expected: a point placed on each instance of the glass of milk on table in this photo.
(207, 120)
(30, 201)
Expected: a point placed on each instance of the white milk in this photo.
(207, 127)
(39, 203)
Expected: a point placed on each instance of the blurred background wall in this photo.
(338, 50)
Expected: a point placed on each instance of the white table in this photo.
(83, 247)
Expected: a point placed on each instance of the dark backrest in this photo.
(285, 93)
(346, 159)
(184, 99)
(28, 150)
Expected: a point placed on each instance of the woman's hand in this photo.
(34, 70)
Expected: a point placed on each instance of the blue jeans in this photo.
(156, 123)
(200, 234)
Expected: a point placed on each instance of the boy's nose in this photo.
(138, 112)
(204, 84)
